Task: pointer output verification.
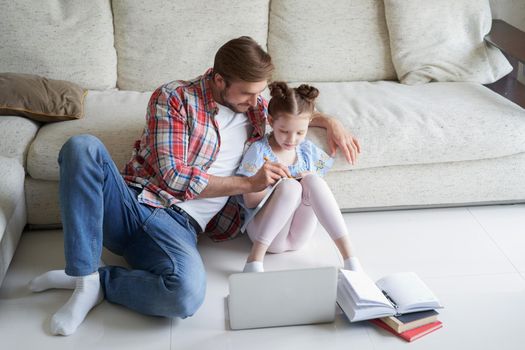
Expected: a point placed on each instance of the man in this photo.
(176, 185)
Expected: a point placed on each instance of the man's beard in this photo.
(225, 102)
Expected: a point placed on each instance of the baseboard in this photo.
(431, 206)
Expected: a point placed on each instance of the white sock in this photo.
(254, 266)
(52, 279)
(353, 264)
(87, 294)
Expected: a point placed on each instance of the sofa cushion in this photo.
(42, 198)
(39, 98)
(59, 39)
(487, 181)
(396, 124)
(116, 117)
(497, 180)
(400, 124)
(443, 41)
(336, 40)
(16, 133)
(159, 41)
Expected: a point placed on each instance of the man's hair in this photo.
(242, 59)
(292, 101)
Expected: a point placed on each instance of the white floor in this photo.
(473, 259)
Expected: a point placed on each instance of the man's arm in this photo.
(337, 136)
(167, 140)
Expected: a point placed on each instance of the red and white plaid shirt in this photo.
(179, 143)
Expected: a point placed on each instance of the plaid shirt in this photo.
(179, 143)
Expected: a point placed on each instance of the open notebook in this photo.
(362, 299)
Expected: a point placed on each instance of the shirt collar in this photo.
(209, 102)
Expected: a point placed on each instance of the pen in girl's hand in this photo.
(266, 159)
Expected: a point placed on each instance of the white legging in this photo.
(290, 216)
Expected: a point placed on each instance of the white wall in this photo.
(512, 11)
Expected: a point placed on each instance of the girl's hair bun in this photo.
(292, 101)
(279, 89)
(307, 92)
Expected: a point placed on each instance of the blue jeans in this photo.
(98, 208)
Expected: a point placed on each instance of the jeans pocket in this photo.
(150, 217)
(166, 224)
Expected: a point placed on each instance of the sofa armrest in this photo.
(16, 135)
(508, 39)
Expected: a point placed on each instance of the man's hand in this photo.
(338, 137)
(267, 175)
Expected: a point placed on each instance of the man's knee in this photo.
(185, 294)
(78, 145)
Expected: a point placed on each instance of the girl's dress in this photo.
(309, 158)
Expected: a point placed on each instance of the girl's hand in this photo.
(267, 175)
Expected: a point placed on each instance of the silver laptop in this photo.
(282, 298)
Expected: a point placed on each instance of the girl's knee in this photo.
(289, 188)
(313, 180)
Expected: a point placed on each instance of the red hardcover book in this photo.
(412, 334)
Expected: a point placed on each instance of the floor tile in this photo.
(470, 258)
(333, 336)
(37, 252)
(26, 326)
(506, 226)
(430, 242)
(481, 312)
(22, 312)
(209, 328)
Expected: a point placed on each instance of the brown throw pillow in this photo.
(39, 98)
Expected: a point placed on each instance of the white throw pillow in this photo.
(442, 40)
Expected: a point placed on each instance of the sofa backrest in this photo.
(336, 40)
(160, 40)
(59, 39)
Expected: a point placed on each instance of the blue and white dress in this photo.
(309, 158)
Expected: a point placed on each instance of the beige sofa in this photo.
(435, 144)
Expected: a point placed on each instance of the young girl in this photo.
(289, 217)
